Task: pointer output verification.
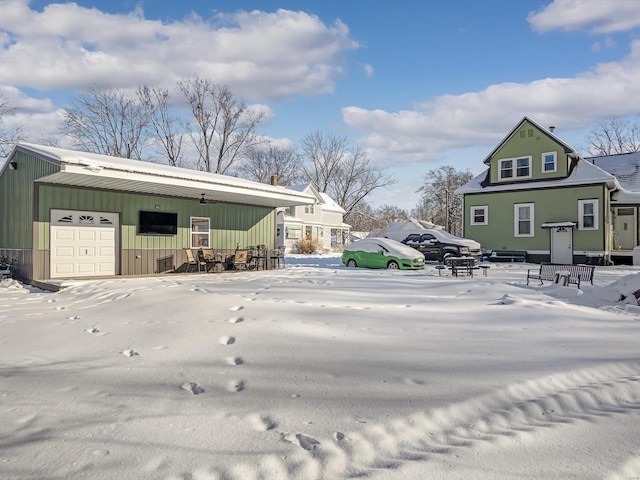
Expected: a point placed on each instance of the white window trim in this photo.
(485, 209)
(514, 168)
(555, 162)
(207, 233)
(516, 219)
(581, 204)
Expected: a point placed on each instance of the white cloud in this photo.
(260, 55)
(368, 70)
(482, 118)
(597, 16)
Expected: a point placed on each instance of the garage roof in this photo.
(91, 170)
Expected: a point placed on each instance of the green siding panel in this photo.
(16, 200)
(550, 205)
(231, 224)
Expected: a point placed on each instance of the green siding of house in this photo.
(231, 225)
(16, 200)
(550, 205)
(531, 143)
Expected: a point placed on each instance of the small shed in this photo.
(72, 214)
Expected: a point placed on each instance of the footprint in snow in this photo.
(234, 361)
(235, 386)
(192, 387)
(92, 330)
(129, 353)
(236, 320)
(227, 340)
(306, 442)
(236, 308)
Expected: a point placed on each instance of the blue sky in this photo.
(418, 84)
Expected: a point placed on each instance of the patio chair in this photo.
(195, 261)
(239, 261)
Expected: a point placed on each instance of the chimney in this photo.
(274, 180)
(552, 128)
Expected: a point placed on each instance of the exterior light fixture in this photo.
(202, 200)
(13, 165)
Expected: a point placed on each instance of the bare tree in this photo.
(106, 121)
(8, 138)
(324, 154)
(224, 126)
(262, 163)
(156, 102)
(614, 135)
(346, 174)
(365, 218)
(439, 203)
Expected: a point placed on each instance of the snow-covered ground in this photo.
(319, 371)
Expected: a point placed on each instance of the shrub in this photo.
(308, 246)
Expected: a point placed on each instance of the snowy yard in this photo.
(319, 371)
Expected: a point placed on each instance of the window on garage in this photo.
(200, 232)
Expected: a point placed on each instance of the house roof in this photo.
(328, 204)
(585, 173)
(625, 167)
(515, 129)
(103, 172)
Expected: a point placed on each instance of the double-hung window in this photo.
(200, 233)
(549, 162)
(480, 215)
(588, 214)
(514, 167)
(523, 167)
(523, 219)
(506, 169)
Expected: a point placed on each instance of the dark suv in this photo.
(439, 245)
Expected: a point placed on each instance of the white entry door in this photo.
(83, 244)
(562, 245)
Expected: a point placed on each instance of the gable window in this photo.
(518, 167)
(506, 169)
(309, 209)
(200, 232)
(549, 162)
(523, 219)
(480, 215)
(588, 214)
(523, 167)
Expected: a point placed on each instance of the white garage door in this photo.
(83, 244)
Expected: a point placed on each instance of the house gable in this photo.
(529, 153)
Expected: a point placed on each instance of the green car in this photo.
(378, 252)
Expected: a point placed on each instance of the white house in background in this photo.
(323, 221)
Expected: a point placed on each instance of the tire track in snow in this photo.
(587, 395)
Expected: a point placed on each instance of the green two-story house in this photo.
(538, 196)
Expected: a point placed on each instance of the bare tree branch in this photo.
(439, 203)
(614, 135)
(261, 164)
(156, 102)
(107, 121)
(224, 127)
(345, 174)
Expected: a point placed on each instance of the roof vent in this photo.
(552, 128)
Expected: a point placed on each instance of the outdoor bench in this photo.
(553, 271)
(508, 256)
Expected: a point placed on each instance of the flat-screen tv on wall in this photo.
(158, 223)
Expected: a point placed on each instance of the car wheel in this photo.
(393, 265)
(351, 263)
(446, 257)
